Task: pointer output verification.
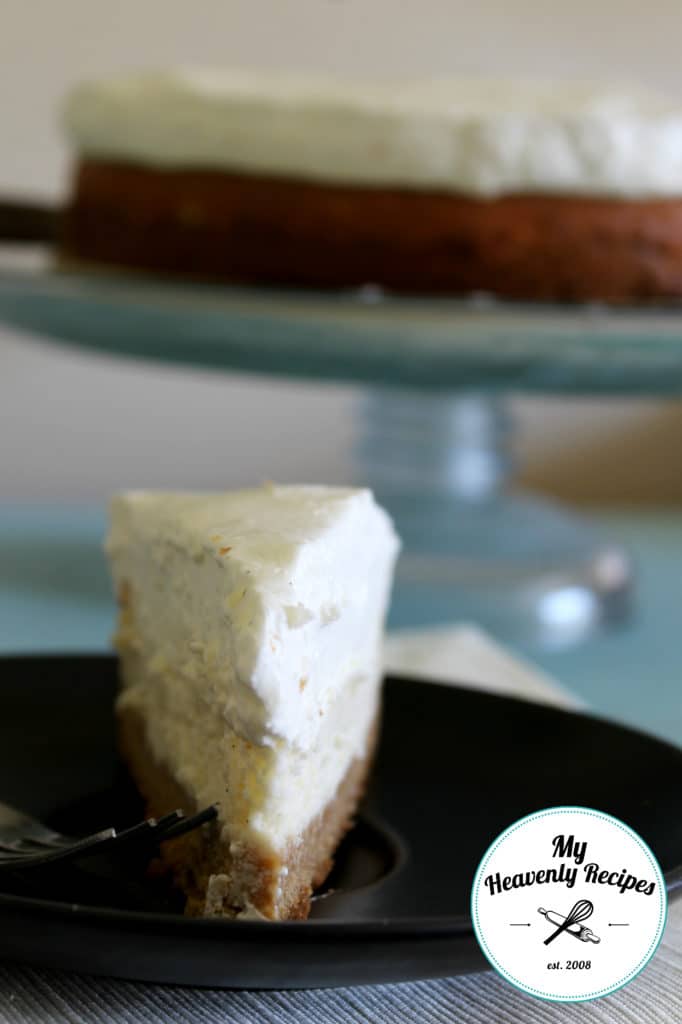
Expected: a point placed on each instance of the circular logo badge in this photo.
(569, 904)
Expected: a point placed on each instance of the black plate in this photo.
(455, 767)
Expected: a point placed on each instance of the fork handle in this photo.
(65, 853)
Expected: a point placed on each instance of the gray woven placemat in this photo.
(30, 996)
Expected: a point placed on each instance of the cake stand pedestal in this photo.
(531, 572)
(433, 442)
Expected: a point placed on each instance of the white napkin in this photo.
(465, 655)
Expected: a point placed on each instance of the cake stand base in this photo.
(522, 567)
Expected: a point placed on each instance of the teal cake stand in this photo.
(433, 430)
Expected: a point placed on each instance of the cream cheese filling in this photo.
(266, 794)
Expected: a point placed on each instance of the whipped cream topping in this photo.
(252, 642)
(471, 136)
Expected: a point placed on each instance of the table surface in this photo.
(55, 596)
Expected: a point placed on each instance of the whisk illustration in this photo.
(572, 922)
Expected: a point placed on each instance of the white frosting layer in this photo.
(254, 633)
(472, 136)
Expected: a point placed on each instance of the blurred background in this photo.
(75, 427)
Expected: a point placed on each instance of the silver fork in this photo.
(26, 843)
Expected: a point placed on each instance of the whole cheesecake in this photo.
(250, 635)
(525, 190)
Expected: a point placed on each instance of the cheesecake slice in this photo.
(250, 633)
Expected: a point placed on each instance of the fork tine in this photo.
(143, 830)
(149, 828)
(189, 824)
(167, 820)
(139, 831)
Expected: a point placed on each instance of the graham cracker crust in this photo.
(220, 881)
(214, 225)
